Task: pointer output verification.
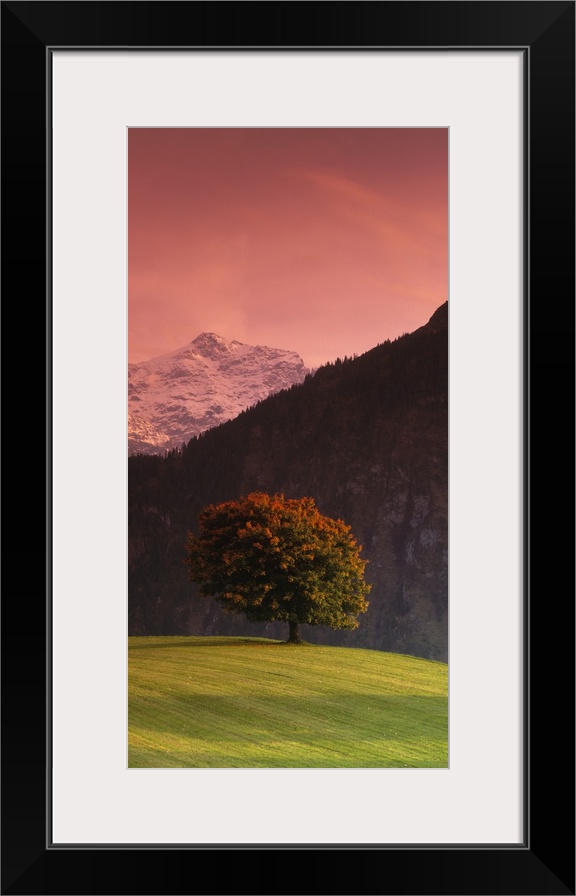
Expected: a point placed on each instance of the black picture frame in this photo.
(544, 863)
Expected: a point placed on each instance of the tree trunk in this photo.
(294, 636)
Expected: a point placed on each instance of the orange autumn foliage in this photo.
(276, 558)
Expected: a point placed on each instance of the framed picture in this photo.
(500, 78)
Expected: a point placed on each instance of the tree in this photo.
(275, 558)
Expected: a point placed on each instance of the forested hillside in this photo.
(367, 438)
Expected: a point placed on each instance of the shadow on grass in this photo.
(347, 718)
(168, 642)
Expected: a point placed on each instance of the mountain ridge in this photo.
(367, 438)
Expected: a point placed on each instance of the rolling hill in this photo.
(257, 703)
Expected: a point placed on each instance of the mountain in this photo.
(178, 395)
(367, 438)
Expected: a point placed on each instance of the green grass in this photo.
(255, 703)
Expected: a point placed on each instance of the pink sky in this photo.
(326, 241)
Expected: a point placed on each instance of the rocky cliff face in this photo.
(181, 394)
(368, 440)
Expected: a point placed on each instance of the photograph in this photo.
(288, 447)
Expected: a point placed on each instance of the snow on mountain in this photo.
(180, 394)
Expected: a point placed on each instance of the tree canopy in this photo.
(275, 558)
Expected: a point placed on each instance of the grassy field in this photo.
(256, 703)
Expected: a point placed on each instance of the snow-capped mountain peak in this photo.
(177, 395)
